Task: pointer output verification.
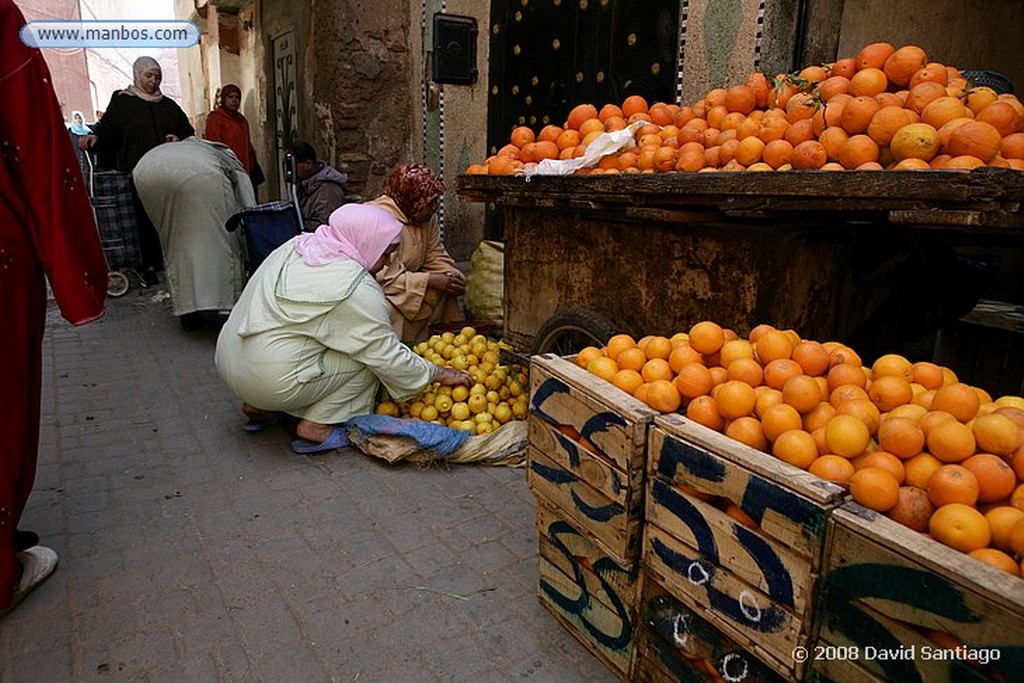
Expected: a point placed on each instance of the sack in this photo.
(256, 175)
(485, 284)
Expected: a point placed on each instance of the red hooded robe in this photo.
(46, 229)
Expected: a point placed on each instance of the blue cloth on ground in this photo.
(432, 437)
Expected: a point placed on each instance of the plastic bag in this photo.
(603, 145)
(485, 283)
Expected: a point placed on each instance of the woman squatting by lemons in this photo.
(311, 335)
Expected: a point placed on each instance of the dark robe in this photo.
(46, 231)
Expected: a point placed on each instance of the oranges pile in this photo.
(908, 439)
(885, 108)
(498, 394)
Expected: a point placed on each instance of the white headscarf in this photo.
(354, 231)
(138, 68)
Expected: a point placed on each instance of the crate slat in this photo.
(623, 488)
(789, 505)
(750, 557)
(678, 644)
(605, 521)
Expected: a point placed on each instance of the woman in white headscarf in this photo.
(138, 119)
(311, 335)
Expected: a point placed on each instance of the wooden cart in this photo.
(869, 258)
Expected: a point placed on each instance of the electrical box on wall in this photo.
(454, 58)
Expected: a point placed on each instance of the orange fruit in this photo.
(809, 154)
(780, 418)
(874, 55)
(862, 409)
(663, 396)
(706, 337)
(812, 357)
(632, 358)
(818, 417)
(735, 399)
(883, 460)
(655, 369)
(735, 349)
(1000, 520)
(746, 370)
(795, 447)
(587, 354)
(928, 375)
(579, 114)
(901, 436)
(997, 559)
(886, 122)
(802, 392)
(952, 484)
(958, 399)
(1001, 116)
(911, 410)
(915, 141)
(942, 110)
(950, 441)
(912, 509)
(890, 391)
(627, 380)
(693, 380)
(976, 138)
(603, 367)
(658, 347)
(875, 488)
(704, 410)
(902, 64)
(634, 104)
(682, 354)
(847, 392)
(747, 430)
(778, 371)
(960, 527)
(858, 114)
(868, 82)
(846, 373)
(737, 513)
(773, 345)
(919, 469)
(923, 94)
(521, 136)
(847, 436)
(996, 480)
(619, 343)
(766, 398)
(997, 433)
(833, 468)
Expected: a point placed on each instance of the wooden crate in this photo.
(890, 588)
(591, 595)
(756, 585)
(675, 644)
(586, 453)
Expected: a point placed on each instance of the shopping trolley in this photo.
(110, 193)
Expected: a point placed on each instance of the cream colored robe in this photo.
(314, 341)
(190, 189)
(414, 307)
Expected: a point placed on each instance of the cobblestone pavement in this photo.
(192, 551)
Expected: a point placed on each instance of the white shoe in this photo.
(37, 563)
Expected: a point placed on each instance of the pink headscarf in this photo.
(354, 231)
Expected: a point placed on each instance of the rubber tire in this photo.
(567, 332)
(117, 283)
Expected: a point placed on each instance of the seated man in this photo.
(321, 188)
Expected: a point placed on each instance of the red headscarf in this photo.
(413, 187)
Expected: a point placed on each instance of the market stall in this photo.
(866, 257)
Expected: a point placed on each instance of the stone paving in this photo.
(192, 551)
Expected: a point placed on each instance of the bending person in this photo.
(138, 119)
(422, 282)
(311, 337)
(190, 189)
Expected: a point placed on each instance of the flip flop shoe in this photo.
(337, 439)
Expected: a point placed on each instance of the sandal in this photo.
(337, 439)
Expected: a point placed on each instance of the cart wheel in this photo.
(567, 332)
(117, 283)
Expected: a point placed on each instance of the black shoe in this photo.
(23, 540)
(150, 277)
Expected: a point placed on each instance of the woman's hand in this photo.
(455, 285)
(86, 141)
(451, 377)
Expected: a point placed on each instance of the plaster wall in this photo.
(68, 67)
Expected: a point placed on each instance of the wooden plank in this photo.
(744, 554)
(611, 420)
(608, 524)
(680, 645)
(749, 616)
(789, 505)
(578, 556)
(819, 39)
(624, 488)
(885, 585)
(608, 634)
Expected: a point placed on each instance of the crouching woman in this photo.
(311, 335)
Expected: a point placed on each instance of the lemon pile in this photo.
(498, 394)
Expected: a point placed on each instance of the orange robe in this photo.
(47, 230)
(233, 131)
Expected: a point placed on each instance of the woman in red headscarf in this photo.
(422, 282)
(228, 125)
